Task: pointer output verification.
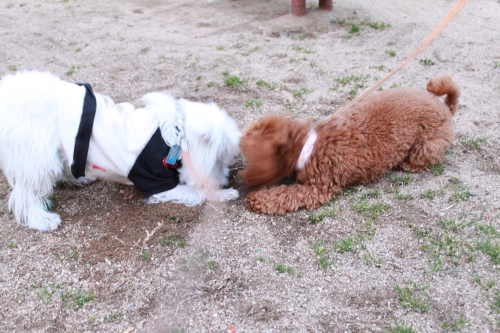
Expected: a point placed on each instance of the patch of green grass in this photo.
(429, 194)
(144, 254)
(409, 300)
(325, 261)
(309, 51)
(301, 92)
(379, 68)
(489, 248)
(326, 211)
(78, 298)
(403, 180)
(281, 269)
(261, 259)
(349, 244)
(436, 169)
(115, 317)
(354, 29)
(313, 64)
(372, 211)
(220, 48)
(403, 197)
(262, 83)
(253, 104)
(377, 25)
(375, 194)
(390, 53)
(73, 69)
(455, 326)
(402, 328)
(452, 225)
(461, 193)
(211, 264)
(427, 62)
(234, 82)
(472, 143)
(72, 254)
(12, 68)
(173, 241)
(210, 84)
(225, 73)
(372, 260)
(497, 64)
(344, 80)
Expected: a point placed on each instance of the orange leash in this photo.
(426, 42)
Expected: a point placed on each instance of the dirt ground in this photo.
(411, 253)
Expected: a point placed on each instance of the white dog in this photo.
(52, 130)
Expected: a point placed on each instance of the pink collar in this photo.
(306, 149)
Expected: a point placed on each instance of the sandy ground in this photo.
(417, 252)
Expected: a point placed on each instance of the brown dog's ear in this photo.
(261, 145)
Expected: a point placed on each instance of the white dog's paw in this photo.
(44, 221)
(86, 180)
(227, 195)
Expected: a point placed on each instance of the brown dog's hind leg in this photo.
(424, 154)
(282, 199)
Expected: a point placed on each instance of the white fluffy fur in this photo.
(32, 158)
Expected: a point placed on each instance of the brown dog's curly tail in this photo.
(444, 85)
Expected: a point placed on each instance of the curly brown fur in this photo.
(401, 128)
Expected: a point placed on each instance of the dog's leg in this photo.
(30, 209)
(181, 194)
(425, 153)
(227, 194)
(282, 199)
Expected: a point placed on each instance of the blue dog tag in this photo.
(173, 155)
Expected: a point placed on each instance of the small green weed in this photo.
(73, 69)
(354, 29)
(489, 248)
(325, 212)
(372, 211)
(429, 194)
(379, 68)
(280, 268)
(301, 92)
(409, 300)
(455, 326)
(375, 194)
(325, 261)
(78, 298)
(262, 83)
(372, 260)
(211, 264)
(390, 53)
(220, 48)
(72, 254)
(377, 25)
(436, 169)
(12, 68)
(427, 62)
(403, 180)
(402, 328)
(497, 64)
(115, 317)
(472, 143)
(173, 241)
(403, 197)
(144, 254)
(234, 82)
(253, 104)
(348, 244)
(210, 84)
(352, 78)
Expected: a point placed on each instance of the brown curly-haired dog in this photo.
(401, 128)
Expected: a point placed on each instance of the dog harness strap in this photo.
(307, 149)
(84, 132)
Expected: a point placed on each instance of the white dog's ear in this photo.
(168, 115)
(211, 134)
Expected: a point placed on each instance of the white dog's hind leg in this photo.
(30, 210)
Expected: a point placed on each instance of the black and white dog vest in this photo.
(114, 142)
